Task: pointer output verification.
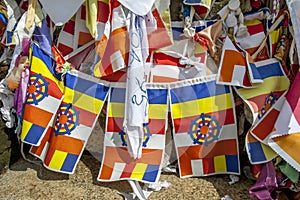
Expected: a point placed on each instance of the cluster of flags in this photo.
(61, 110)
(204, 128)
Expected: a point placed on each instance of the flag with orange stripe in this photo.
(117, 164)
(44, 95)
(275, 84)
(254, 23)
(204, 127)
(61, 148)
(237, 67)
(170, 64)
(113, 48)
(65, 40)
(284, 138)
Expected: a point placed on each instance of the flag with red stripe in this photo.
(286, 130)
(275, 84)
(204, 127)
(240, 71)
(64, 143)
(44, 95)
(117, 164)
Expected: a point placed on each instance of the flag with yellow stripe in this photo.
(275, 84)
(44, 95)
(204, 127)
(84, 97)
(117, 164)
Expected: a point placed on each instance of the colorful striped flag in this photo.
(59, 152)
(263, 129)
(160, 31)
(113, 48)
(286, 130)
(40, 151)
(261, 101)
(170, 64)
(84, 96)
(202, 7)
(275, 84)
(117, 164)
(275, 35)
(82, 34)
(75, 34)
(240, 71)
(44, 95)
(3, 20)
(257, 151)
(65, 38)
(205, 131)
(253, 22)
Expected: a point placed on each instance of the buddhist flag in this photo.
(204, 127)
(287, 126)
(159, 31)
(202, 7)
(44, 95)
(257, 151)
(275, 84)
(82, 35)
(84, 96)
(237, 67)
(253, 22)
(276, 34)
(40, 151)
(117, 164)
(113, 48)
(65, 40)
(170, 63)
(268, 116)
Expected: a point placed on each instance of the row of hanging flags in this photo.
(203, 116)
(60, 112)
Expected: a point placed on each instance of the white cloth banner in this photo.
(136, 102)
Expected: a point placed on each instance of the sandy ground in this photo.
(25, 180)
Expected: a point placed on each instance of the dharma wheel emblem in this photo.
(205, 129)
(66, 119)
(37, 89)
(269, 102)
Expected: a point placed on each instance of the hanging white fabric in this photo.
(136, 102)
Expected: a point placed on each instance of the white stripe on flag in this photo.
(44, 152)
(227, 132)
(117, 61)
(238, 75)
(156, 141)
(81, 132)
(174, 72)
(117, 171)
(197, 167)
(252, 41)
(49, 104)
(66, 38)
